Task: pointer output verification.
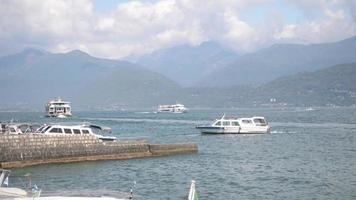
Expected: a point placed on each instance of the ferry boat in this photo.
(175, 108)
(83, 129)
(58, 108)
(235, 125)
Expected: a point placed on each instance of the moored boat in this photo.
(55, 129)
(235, 125)
(82, 129)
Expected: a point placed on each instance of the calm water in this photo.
(308, 155)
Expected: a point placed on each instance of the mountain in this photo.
(186, 64)
(281, 60)
(334, 85)
(129, 87)
(32, 77)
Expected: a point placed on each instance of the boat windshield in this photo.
(218, 123)
(44, 130)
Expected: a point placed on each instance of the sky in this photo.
(120, 28)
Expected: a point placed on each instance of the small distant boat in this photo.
(175, 108)
(58, 108)
(309, 109)
(236, 126)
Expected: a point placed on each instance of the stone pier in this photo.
(27, 150)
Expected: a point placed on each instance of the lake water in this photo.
(308, 155)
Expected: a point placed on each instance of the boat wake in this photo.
(143, 112)
(282, 132)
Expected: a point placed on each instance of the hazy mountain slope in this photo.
(31, 78)
(130, 87)
(333, 85)
(34, 77)
(280, 60)
(187, 64)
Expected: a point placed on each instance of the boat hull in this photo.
(211, 130)
(232, 130)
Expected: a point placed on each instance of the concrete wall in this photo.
(26, 150)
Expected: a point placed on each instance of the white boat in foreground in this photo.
(175, 108)
(35, 193)
(236, 126)
(58, 108)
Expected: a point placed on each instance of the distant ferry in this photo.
(175, 108)
(58, 108)
(236, 126)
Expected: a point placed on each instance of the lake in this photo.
(309, 154)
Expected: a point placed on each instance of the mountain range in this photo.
(33, 77)
(318, 74)
(186, 64)
(281, 60)
(209, 64)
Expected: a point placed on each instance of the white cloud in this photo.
(334, 26)
(136, 27)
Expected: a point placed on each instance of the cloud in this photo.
(136, 27)
(334, 22)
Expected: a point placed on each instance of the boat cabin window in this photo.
(12, 130)
(246, 121)
(259, 121)
(226, 123)
(68, 130)
(218, 123)
(76, 131)
(85, 131)
(235, 123)
(56, 130)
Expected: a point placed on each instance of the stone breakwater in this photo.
(27, 150)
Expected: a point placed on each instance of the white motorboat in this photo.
(9, 192)
(83, 129)
(235, 125)
(175, 108)
(58, 108)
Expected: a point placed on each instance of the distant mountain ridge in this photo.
(281, 60)
(187, 64)
(34, 77)
(332, 86)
